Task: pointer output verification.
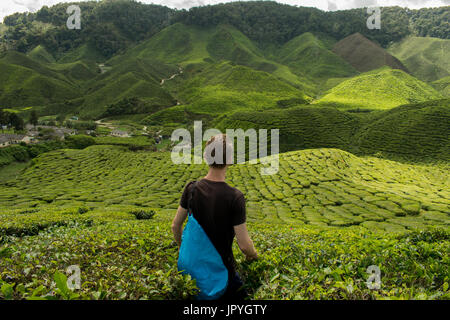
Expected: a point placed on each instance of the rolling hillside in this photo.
(186, 46)
(365, 55)
(379, 89)
(323, 187)
(26, 83)
(346, 212)
(39, 53)
(132, 78)
(427, 58)
(415, 132)
(443, 85)
(306, 55)
(301, 127)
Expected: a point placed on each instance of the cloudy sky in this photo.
(10, 6)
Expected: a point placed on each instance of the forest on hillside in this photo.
(112, 26)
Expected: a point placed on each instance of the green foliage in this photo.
(130, 79)
(34, 118)
(295, 262)
(130, 106)
(136, 142)
(22, 153)
(143, 214)
(106, 26)
(285, 22)
(443, 85)
(117, 241)
(13, 153)
(82, 210)
(81, 125)
(299, 263)
(8, 118)
(79, 141)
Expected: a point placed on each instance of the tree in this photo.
(16, 121)
(34, 118)
(4, 119)
(60, 119)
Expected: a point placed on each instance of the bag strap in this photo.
(191, 196)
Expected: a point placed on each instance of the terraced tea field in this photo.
(321, 187)
(318, 225)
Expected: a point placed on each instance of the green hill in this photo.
(308, 56)
(413, 131)
(78, 72)
(84, 52)
(365, 55)
(177, 44)
(443, 85)
(427, 58)
(227, 43)
(321, 187)
(26, 83)
(221, 88)
(410, 132)
(40, 54)
(187, 45)
(301, 127)
(379, 89)
(19, 59)
(133, 78)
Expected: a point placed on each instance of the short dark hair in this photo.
(227, 151)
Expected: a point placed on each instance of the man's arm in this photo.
(177, 224)
(244, 241)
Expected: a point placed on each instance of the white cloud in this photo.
(8, 7)
(331, 6)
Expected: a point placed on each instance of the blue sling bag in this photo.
(199, 258)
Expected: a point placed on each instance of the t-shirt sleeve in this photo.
(185, 196)
(239, 212)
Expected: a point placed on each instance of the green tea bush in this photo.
(318, 224)
(121, 258)
(143, 214)
(13, 153)
(79, 141)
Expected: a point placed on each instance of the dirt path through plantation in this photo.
(180, 71)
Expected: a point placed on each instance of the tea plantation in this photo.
(318, 225)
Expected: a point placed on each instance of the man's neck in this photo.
(216, 174)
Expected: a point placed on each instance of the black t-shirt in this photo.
(217, 207)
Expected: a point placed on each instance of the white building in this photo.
(120, 133)
(10, 139)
